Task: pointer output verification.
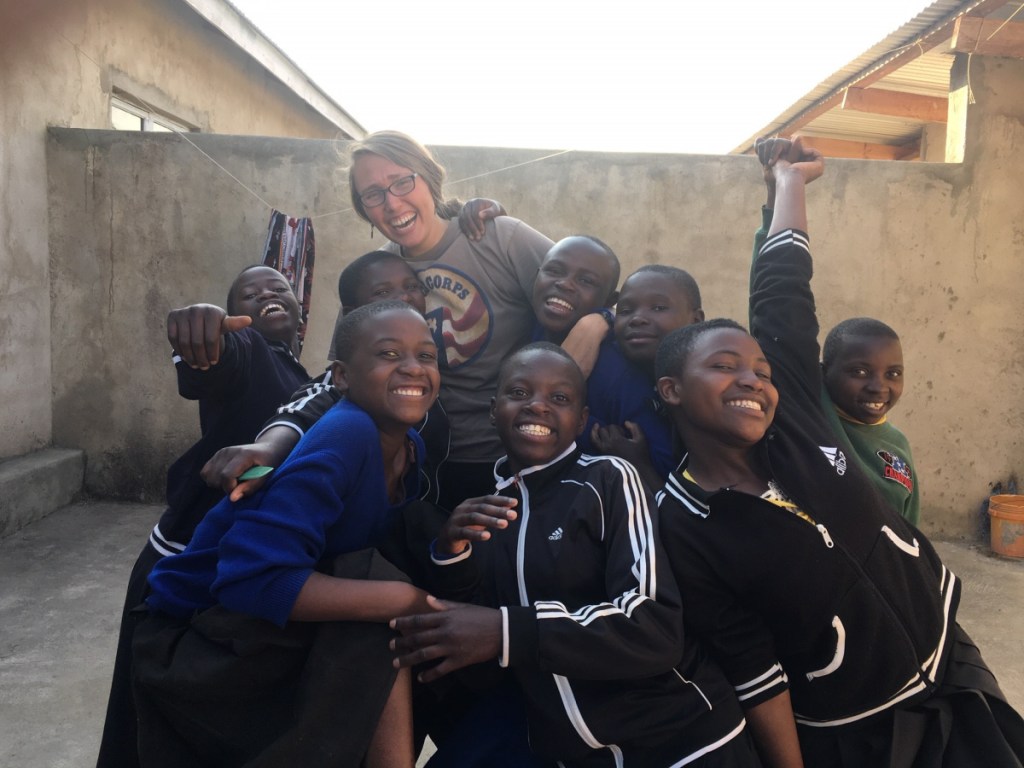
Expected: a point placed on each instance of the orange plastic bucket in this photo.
(1006, 512)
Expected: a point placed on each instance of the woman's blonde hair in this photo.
(407, 152)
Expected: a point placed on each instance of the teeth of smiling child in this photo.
(535, 429)
(561, 303)
(875, 406)
(752, 404)
(271, 308)
(409, 391)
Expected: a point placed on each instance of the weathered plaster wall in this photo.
(143, 224)
(60, 59)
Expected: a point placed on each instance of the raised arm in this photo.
(768, 151)
(783, 316)
(196, 333)
(793, 172)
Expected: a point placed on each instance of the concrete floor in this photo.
(63, 584)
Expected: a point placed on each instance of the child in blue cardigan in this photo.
(252, 628)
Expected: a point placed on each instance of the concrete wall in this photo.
(60, 60)
(142, 224)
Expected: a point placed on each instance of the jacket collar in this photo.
(681, 488)
(536, 475)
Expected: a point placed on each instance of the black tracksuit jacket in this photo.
(854, 612)
(593, 630)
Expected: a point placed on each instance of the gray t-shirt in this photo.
(479, 311)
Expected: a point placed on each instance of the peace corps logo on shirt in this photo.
(458, 314)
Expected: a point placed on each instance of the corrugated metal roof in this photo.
(926, 72)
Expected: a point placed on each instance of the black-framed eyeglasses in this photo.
(399, 188)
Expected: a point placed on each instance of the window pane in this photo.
(124, 121)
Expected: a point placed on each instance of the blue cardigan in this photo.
(253, 557)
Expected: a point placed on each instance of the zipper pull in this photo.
(825, 536)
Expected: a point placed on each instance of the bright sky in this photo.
(634, 75)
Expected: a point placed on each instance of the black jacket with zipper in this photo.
(848, 606)
(591, 617)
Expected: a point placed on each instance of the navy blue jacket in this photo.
(253, 377)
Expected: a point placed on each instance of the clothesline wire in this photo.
(492, 172)
(183, 135)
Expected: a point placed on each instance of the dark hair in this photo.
(351, 278)
(405, 151)
(611, 255)
(865, 327)
(347, 331)
(231, 306)
(675, 348)
(683, 281)
(512, 361)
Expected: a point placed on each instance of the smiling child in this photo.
(625, 414)
(239, 655)
(862, 361)
(581, 606)
(833, 618)
(239, 365)
(578, 276)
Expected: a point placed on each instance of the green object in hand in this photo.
(254, 472)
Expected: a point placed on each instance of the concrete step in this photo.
(34, 485)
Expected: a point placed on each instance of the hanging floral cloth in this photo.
(291, 250)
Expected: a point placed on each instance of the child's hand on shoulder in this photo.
(473, 520)
(627, 442)
(195, 333)
(476, 213)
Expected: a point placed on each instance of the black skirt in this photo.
(224, 689)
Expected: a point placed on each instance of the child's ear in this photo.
(613, 299)
(698, 316)
(584, 418)
(668, 390)
(339, 375)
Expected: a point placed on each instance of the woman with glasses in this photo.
(479, 312)
(478, 292)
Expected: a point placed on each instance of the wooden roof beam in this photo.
(909, 106)
(859, 150)
(988, 37)
(940, 33)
